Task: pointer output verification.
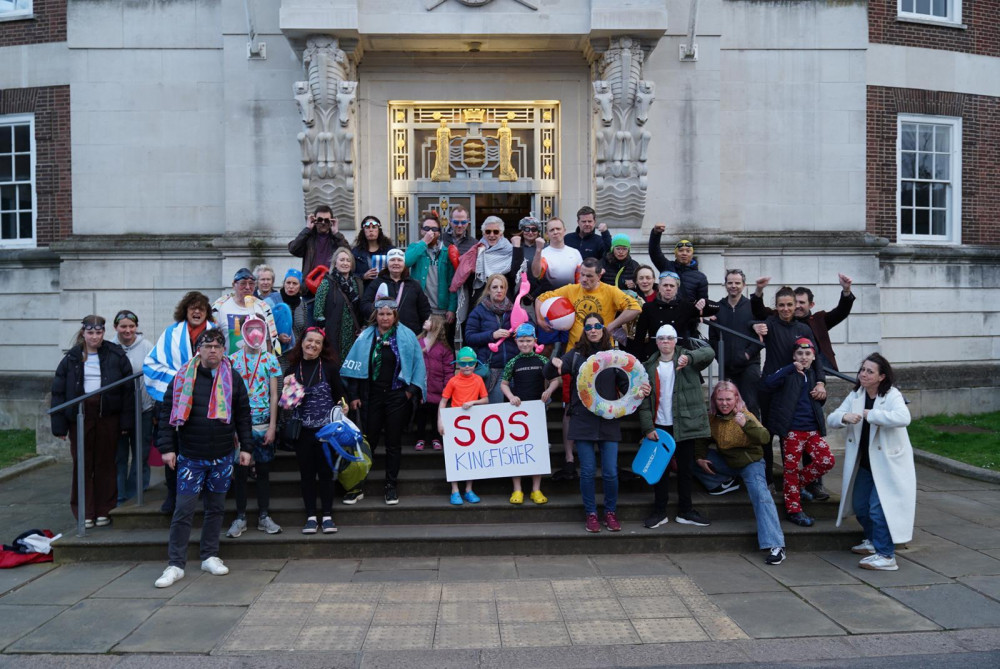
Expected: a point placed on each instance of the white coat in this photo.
(891, 459)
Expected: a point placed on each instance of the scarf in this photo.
(349, 289)
(221, 403)
(293, 301)
(390, 338)
(498, 308)
(492, 260)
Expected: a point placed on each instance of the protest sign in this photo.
(495, 440)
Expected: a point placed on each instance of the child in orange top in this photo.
(465, 389)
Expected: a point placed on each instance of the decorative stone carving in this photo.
(442, 154)
(326, 105)
(507, 171)
(622, 100)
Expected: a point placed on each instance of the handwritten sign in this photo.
(495, 440)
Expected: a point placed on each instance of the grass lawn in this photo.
(16, 445)
(974, 440)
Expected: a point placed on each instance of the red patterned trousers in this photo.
(822, 461)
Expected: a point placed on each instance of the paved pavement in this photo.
(545, 611)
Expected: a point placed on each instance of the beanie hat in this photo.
(621, 240)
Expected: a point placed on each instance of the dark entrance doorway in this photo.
(511, 207)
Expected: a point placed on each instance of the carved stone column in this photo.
(622, 99)
(326, 102)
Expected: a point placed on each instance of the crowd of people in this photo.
(395, 335)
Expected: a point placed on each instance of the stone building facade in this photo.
(173, 142)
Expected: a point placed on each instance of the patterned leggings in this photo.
(822, 461)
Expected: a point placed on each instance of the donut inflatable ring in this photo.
(614, 359)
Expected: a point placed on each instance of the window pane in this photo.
(926, 137)
(22, 168)
(7, 226)
(923, 195)
(926, 167)
(939, 195)
(938, 222)
(7, 198)
(906, 222)
(906, 196)
(923, 6)
(24, 196)
(909, 137)
(907, 5)
(922, 221)
(941, 8)
(908, 170)
(6, 139)
(25, 225)
(942, 138)
(22, 140)
(6, 171)
(941, 166)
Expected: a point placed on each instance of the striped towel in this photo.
(171, 352)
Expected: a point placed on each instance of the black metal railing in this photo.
(81, 488)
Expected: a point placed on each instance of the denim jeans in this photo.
(868, 509)
(124, 460)
(588, 469)
(769, 534)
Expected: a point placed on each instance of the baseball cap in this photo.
(466, 354)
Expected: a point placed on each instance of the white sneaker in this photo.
(879, 563)
(214, 566)
(170, 576)
(864, 548)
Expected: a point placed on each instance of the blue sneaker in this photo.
(471, 497)
(456, 499)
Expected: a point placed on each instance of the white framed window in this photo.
(17, 180)
(15, 9)
(935, 11)
(929, 177)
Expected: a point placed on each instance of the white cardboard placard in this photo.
(495, 440)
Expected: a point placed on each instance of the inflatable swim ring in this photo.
(594, 365)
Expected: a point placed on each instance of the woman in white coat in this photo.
(880, 483)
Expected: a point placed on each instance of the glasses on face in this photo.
(246, 282)
(211, 347)
(430, 228)
(324, 220)
(491, 233)
(593, 326)
(683, 245)
(454, 222)
(531, 228)
(370, 224)
(93, 328)
(467, 364)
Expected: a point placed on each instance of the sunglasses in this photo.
(683, 245)
(454, 222)
(531, 229)
(593, 326)
(466, 364)
(93, 328)
(370, 224)
(324, 220)
(491, 233)
(430, 228)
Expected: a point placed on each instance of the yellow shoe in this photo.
(517, 497)
(538, 498)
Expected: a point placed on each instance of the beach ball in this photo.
(559, 312)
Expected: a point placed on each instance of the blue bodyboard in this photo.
(282, 319)
(654, 456)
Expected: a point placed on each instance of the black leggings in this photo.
(263, 488)
(387, 411)
(684, 457)
(312, 467)
(427, 416)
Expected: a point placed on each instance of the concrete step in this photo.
(548, 538)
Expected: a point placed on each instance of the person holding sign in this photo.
(738, 437)
(526, 373)
(590, 431)
(466, 389)
(677, 407)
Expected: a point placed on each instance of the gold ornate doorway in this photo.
(493, 158)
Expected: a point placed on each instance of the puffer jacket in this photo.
(617, 272)
(202, 437)
(694, 284)
(68, 385)
(788, 385)
(414, 310)
(688, 408)
(479, 329)
(440, 365)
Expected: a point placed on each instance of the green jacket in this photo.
(420, 263)
(689, 410)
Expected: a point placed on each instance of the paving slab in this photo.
(635, 565)
(137, 583)
(951, 606)
(929, 478)
(467, 636)
(677, 654)
(649, 586)
(654, 607)
(467, 613)
(528, 611)
(970, 535)
(863, 610)
(233, 589)
(291, 592)
(15, 578)
(467, 592)
(92, 626)
(583, 588)
(773, 651)
(526, 635)
(277, 564)
(67, 584)
(412, 592)
(474, 568)
(412, 613)
(401, 575)
(559, 657)
(955, 561)
(770, 615)
(802, 569)
(913, 643)
(352, 592)
(280, 613)
(987, 585)
(393, 563)
(273, 636)
(715, 573)
(331, 637)
(399, 637)
(19, 620)
(343, 613)
(721, 628)
(554, 566)
(592, 609)
(909, 573)
(977, 640)
(415, 657)
(182, 629)
(524, 591)
(602, 632)
(669, 630)
(317, 571)
(959, 505)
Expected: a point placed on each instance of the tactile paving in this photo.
(642, 587)
(722, 628)
(410, 613)
(467, 613)
(583, 588)
(412, 592)
(592, 609)
(669, 630)
(331, 637)
(602, 632)
(534, 635)
(467, 636)
(330, 613)
(399, 637)
(654, 607)
(528, 612)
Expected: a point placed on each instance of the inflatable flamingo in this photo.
(518, 315)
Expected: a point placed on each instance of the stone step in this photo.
(548, 538)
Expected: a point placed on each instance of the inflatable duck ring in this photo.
(594, 365)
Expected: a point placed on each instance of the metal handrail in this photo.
(81, 484)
